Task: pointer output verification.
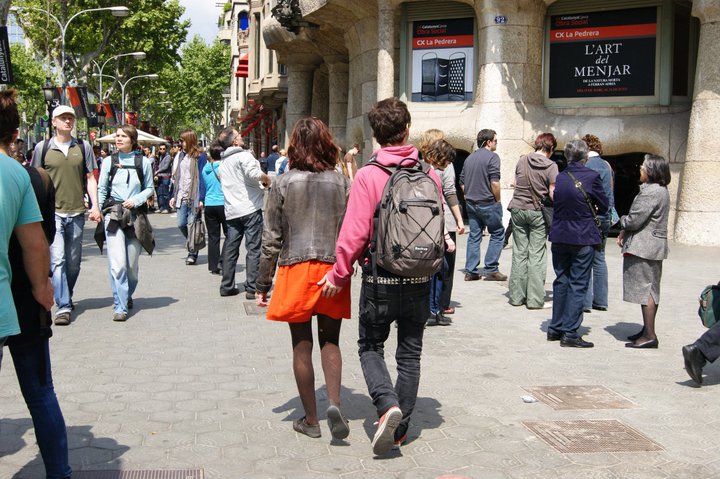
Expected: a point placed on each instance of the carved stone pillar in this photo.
(300, 86)
(386, 48)
(339, 78)
(698, 206)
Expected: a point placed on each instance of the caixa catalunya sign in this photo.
(6, 77)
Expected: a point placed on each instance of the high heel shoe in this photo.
(637, 335)
(652, 344)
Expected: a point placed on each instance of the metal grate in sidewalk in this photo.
(146, 474)
(580, 397)
(588, 436)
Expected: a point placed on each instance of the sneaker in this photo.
(399, 442)
(62, 319)
(337, 423)
(119, 316)
(190, 261)
(301, 426)
(249, 294)
(384, 437)
(496, 276)
(164, 212)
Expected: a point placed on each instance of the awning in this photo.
(242, 68)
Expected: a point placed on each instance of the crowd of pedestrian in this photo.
(308, 215)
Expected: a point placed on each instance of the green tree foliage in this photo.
(195, 88)
(29, 78)
(154, 26)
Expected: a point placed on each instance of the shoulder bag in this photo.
(579, 186)
(544, 204)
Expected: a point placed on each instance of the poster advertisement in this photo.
(442, 60)
(603, 54)
(6, 76)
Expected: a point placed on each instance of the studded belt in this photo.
(368, 278)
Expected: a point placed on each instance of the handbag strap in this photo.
(579, 186)
(534, 196)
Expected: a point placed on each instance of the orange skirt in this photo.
(296, 297)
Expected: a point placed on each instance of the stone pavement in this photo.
(191, 381)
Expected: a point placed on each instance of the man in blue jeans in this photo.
(70, 169)
(480, 181)
(384, 298)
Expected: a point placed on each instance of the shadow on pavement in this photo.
(622, 330)
(84, 447)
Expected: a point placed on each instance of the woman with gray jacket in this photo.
(304, 211)
(644, 246)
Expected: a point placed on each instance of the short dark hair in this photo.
(9, 116)
(546, 142)
(389, 118)
(576, 152)
(226, 137)
(657, 169)
(311, 146)
(216, 150)
(484, 136)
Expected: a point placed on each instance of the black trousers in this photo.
(214, 221)
(709, 343)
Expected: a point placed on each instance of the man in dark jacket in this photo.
(163, 177)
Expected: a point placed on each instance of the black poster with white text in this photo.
(603, 54)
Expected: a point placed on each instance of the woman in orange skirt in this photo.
(304, 211)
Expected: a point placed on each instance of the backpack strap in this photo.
(115, 165)
(45, 148)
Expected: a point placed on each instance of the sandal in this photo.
(337, 423)
(301, 426)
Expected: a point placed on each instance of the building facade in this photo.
(258, 90)
(640, 74)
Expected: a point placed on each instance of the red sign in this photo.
(92, 134)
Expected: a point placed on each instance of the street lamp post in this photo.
(116, 12)
(152, 76)
(137, 55)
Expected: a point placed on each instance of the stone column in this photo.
(698, 207)
(386, 48)
(509, 77)
(300, 86)
(339, 78)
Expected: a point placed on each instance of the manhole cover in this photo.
(588, 436)
(148, 474)
(252, 309)
(580, 397)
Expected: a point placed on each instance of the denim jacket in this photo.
(302, 220)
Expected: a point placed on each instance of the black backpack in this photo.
(409, 225)
(115, 165)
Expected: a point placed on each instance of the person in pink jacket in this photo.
(391, 298)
